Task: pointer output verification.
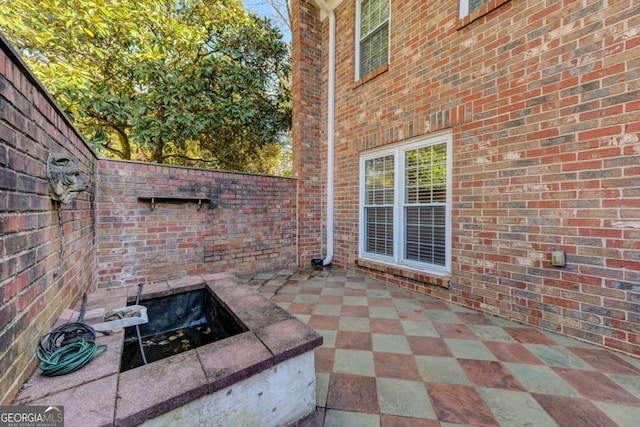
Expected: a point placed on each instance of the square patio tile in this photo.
(378, 293)
(390, 343)
(460, 404)
(428, 346)
(490, 333)
(327, 309)
(330, 299)
(386, 326)
(529, 336)
(628, 382)
(512, 352)
(356, 324)
(596, 386)
(404, 398)
(383, 312)
(582, 413)
(541, 379)
(333, 292)
(306, 298)
(445, 370)
(354, 362)
(454, 330)
(324, 322)
(489, 374)
(475, 319)
(554, 355)
(605, 361)
(394, 365)
(442, 316)
(354, 311)
(422, 329)
(354, 340)
(324, 358)
(469, 349)
(621, 415)
(351, 300)
(352, 393)
(514, 409)
(408, 303)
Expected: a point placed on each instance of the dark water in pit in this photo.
(178, 323)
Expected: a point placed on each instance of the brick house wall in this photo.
(31, 297)
(245, 225)
(308, 154)
(541, 99)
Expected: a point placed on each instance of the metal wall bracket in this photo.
(153, 200)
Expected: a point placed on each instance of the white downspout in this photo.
(330, 126)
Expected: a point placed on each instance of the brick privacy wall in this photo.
(31, 298)
(541, 98)
(249, 225)
(308, 114)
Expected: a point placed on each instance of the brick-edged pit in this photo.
(99, 395)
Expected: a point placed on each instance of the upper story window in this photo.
(372, 49)
(468, 6)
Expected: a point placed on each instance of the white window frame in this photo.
(358, 41)
(398, 258)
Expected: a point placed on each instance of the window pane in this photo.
(379, 235)
(372, 14)
(475, 4)
(426, 234)
(379, 199)
(426, 175)
(379, 181)
(374, 35)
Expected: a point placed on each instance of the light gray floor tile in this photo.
(390, 343)
(515, 409)
(540, 379)
(354, 324)
(445, 370)
(420, 329)
(355, 362)
(404, 398)
(469, 349)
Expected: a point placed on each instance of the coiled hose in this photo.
(68, 347)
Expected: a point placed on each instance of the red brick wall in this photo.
(541, 98)
(247, 226)
(308, 151)
(31, 297)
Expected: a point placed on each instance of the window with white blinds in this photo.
(405, 209)
(373, 35)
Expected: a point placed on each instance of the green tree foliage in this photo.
(190, 82)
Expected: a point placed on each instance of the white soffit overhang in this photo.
(331, 3)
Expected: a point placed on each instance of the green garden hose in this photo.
(68, 358)
(68, 347)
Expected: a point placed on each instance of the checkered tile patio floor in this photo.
(392, 357)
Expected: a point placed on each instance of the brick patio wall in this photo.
(245, 223)
(541, 98)
(31, 297)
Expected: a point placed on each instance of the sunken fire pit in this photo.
(262, 374)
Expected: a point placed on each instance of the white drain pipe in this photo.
(330, 126)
